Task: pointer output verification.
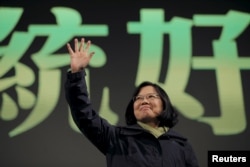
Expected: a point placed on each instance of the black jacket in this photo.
(129, 146)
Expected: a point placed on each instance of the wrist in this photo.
(76, 70)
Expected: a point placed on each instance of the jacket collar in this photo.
(132, 130)
(136, 129)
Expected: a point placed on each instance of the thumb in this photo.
(91, 54)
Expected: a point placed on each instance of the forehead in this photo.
(147, 89)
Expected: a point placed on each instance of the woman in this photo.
(146, 141)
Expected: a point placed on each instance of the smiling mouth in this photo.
(145, 108)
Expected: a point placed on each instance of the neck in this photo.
(153, 124)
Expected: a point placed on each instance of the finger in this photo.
(88, 45)
(76, 45)
(70, 49)
(82, 44)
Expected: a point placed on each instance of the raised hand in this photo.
(79, 58)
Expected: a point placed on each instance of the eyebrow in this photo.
(148, 94)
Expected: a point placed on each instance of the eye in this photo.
(152, 96)
(139, 98)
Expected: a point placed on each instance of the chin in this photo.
(145, 119)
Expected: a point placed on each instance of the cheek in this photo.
(135, 106)
(137, 113)
(159, 106)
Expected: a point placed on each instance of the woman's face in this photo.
(148, 106)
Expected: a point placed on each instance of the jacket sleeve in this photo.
(191, 159)
(95, 128)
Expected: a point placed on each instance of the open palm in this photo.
(79, 58)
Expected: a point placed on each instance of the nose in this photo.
(145, 100)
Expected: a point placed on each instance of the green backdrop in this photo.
(198, 51)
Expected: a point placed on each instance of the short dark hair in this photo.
(169, 116)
